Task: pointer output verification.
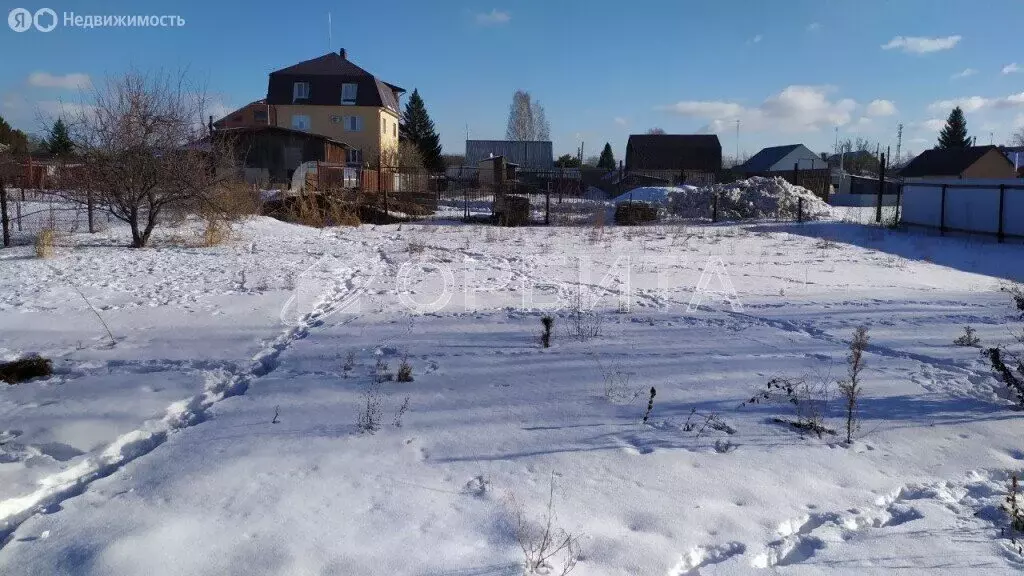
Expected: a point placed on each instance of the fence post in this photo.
(942, 212)
(90, 206)
(3, 214)
(714, 207)
(547, 205)
(899, 205)
(800, 210)
(382, 186)
(1002, 200)
(881, 187)
(796, 174)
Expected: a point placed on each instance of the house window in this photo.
(383, 125)
(394, 129)
(259, 116)
(353, 123)
(348, 93)
(300, 91)
(300, 122)
(354, 156)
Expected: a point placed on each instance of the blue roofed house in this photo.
(782, 159)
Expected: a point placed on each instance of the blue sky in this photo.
(789, 71)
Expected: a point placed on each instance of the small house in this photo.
(675, 152)
(969, 162)
(777, 159)
(271, 154)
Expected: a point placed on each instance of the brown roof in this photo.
(946, 161)
(279, 129)
(325, 74)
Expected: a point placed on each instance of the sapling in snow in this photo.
(545, 336)
(650, 405)
(968, 338)
(851, 388)
(1013, 509)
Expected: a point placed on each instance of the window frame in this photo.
(295, 91)
(355, 93)
(308, 122)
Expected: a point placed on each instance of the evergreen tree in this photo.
(607, 160)
(15, 140)
(567, 161)
(419, 128)
(59, 143)
(954, 133)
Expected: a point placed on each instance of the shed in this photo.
(527, 154)
(270, 154)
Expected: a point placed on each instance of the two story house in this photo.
(333, 97)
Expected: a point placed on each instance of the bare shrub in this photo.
(381, 372)
(809, 400)
(547, 548)
(350, 363)
(404, 371)
(968, 338)
(400, 413)
(851, 388)
(616, 382)
(583, 324)
(370, 409)
(46, 240)
(1012, 507)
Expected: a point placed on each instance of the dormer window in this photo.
(348, 93)
(300, 91)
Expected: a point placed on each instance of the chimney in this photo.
(341, 53)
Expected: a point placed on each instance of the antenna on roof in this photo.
(330, 41)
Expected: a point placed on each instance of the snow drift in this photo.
(754, 198)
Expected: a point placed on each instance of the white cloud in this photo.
(794, 109)
(934, 124)
(975, 103)
(921, 44)
(1011, 68)
(814, 27)
(494, 17)
(964, 74)
(620, 121)
(1018, 122)
(71, 81)
(881, 108)
(968, 104)
(756, 39)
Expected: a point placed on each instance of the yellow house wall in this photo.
(379, 129)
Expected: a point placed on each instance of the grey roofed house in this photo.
(698, 152)
(528, 155)
(782, 159)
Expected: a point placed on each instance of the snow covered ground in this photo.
(217, 434)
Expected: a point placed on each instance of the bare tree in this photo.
(526, 119)
(655, 131)
(1018, 138)
(141, 146)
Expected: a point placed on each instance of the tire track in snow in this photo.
(220, 384)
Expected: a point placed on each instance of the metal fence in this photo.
(24, 213)
(984, 207)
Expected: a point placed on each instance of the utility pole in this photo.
(737, 141)
(899, 141)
